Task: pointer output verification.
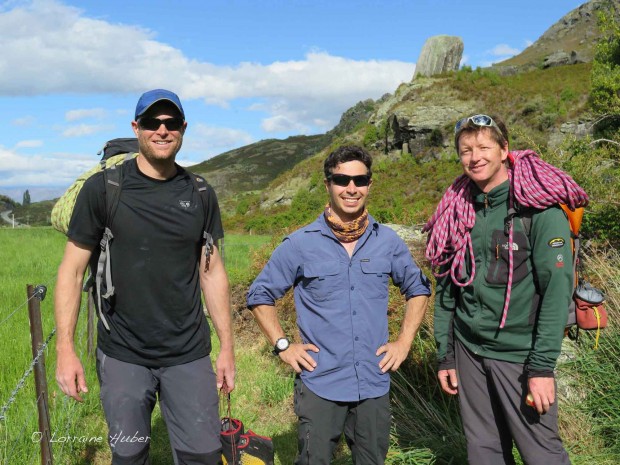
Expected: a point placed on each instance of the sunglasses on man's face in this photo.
(343, 180)
(478, 120)
(153, 124)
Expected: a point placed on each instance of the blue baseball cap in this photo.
(148, 99)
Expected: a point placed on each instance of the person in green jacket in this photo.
(501, 300)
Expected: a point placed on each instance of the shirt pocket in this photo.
(375, 274)
(321, 280)
(498, 263)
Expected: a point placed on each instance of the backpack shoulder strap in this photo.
(113, 178)
(525, 216)
(201, 185)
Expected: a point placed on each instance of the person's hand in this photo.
(298, 358)
(447, 381)
(225, 371)
(395, 354)
(543, 393)
(70, 375)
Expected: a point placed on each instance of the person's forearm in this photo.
(67, 307)
(216, 293)
(217, 301)
(267, 319)
(414, 315)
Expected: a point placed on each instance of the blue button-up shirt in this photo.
(341, 302)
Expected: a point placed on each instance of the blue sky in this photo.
(72, 71)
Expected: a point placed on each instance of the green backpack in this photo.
(115, 152)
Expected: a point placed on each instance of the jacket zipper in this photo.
(484, 260)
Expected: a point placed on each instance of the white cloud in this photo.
(81, 130)
(52, 49)
(503, 50)
(24, 121)
(47, 38)
(29, 144)
(281, 123)
(39, 169)
(211, 140)
(74, 115)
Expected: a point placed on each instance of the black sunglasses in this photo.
(153, 124)
(343, 180)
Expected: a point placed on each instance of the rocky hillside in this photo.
(568, 41)
(252, 167)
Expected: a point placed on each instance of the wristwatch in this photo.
(281, 345)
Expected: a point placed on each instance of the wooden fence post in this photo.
(40, 381)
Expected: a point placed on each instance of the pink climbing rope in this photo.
(533, 183)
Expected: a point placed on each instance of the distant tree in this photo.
(26, 200)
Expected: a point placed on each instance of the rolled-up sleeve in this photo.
(276, 278)
(406, 274)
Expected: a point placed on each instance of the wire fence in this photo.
(21, 435)
(25, 437)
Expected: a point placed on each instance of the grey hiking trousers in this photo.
(492, 400)
(188, 401)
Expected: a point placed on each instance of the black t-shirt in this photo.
(157, 317)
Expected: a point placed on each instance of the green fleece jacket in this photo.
(541, 289)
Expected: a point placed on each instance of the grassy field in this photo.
(32, 256)
(426, 423)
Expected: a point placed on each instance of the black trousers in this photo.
(366, 426)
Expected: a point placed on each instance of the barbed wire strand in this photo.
(18, 308)
(22, 381)
(35, 294)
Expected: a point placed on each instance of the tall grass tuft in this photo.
(425, 419)
(592, 433)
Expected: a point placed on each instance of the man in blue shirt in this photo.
(340, 266)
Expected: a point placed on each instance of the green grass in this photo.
(32, 256)
(238, 251)
(426, 427)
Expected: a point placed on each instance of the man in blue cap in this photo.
(154, 341)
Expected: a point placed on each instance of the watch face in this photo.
(282, 344)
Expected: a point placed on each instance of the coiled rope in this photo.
(533, 183)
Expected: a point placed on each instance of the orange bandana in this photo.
(349, 231)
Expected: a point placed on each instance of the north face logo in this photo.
(515, 246)
(185, 203)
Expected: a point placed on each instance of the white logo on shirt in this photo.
(185, 203)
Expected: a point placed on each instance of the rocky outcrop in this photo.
(440, 54)
(561, 58)
(358, 113)
(577, 31)
(417, 121)
(576, 129)
(408, 233)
